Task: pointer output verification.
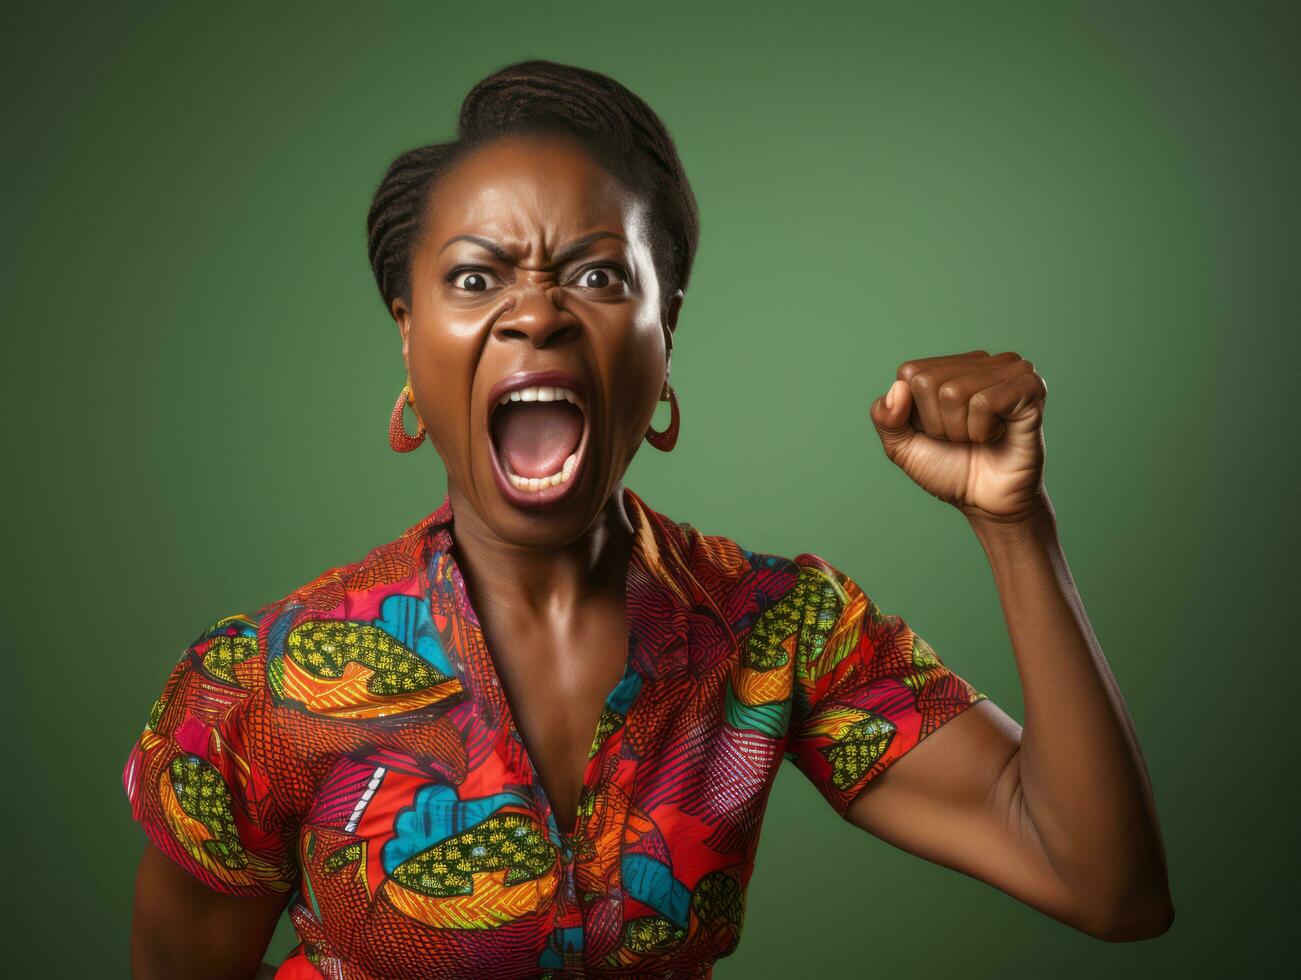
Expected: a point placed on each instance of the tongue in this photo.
(536, 438)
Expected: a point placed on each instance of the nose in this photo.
(537, 315)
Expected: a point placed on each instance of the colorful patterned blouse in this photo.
(351, 743)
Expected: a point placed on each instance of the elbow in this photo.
(1133, 921)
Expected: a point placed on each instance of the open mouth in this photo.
(538, 428)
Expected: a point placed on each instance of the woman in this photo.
(535, 733)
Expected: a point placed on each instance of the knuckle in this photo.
(982, 411)
(950, 394)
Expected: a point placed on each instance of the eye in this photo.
(601, 277)
(471, 280)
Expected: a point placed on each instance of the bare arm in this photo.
(182, 928)
(1059, 814)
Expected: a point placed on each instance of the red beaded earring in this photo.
(397, 432)
(666, 440)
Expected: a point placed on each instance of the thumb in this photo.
(891, 420)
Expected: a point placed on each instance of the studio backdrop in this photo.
(199, 373)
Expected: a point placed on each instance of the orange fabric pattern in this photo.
(351, 743)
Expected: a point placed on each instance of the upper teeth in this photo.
(538, 393)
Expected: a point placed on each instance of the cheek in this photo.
(635, 369)
(441, 369)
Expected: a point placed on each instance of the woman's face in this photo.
(535, 259)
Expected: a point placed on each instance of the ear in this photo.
(402, 316)
(670, 321)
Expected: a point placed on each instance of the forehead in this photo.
(526, 187)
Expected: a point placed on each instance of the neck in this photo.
(542, 578)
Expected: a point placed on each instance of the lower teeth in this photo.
(535, 483)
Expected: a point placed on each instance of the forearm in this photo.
(1083, 785)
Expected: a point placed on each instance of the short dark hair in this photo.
(535, 98)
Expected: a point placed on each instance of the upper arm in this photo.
(205, 782)
(955, 800)
(182, 928)
(906, 749)
(208, 779)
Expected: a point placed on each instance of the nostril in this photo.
(562, 333)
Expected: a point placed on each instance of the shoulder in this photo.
(390, 566)
(721, 563)
(243, 652)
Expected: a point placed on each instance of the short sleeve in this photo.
(199, 777)
(867, 689)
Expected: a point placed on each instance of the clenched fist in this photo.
(968, 428)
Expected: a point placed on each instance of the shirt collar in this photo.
(658, 543)
(663, 596)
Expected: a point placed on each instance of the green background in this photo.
(199, 372)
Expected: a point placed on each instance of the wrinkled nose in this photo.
(536, 314)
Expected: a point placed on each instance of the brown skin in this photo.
(1071, 833)
(182, 928)
(1059, 814)
(548, 585)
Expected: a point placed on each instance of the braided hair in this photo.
(536, 98)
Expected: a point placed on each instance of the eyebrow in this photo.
(567, 253)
